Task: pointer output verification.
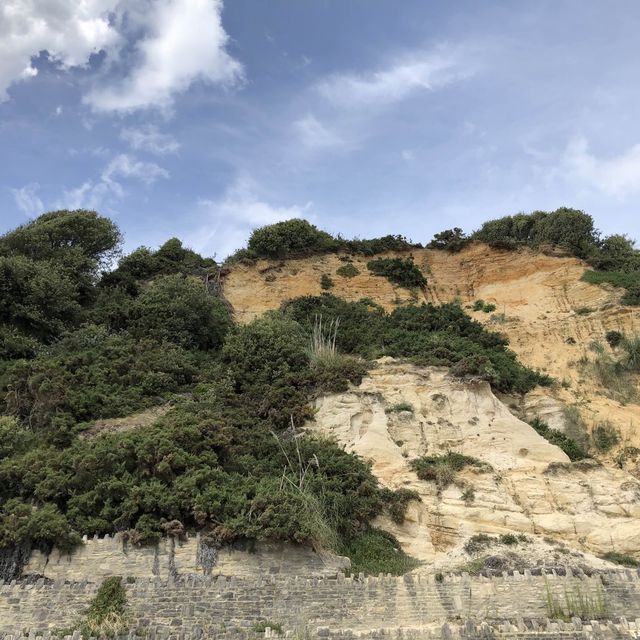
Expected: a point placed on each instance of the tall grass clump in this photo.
(574, 602)
(107, 616)
(614, 373)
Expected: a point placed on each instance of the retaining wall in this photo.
(98, 558)
(202, 607)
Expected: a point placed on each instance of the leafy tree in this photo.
(178, 309)
(292, 238)
(452, 240)
(77, 243)
(36, 299)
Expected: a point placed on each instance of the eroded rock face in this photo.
(531, 485)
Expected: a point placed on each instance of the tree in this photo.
(178, 309)
(291, 238)
(452, 240)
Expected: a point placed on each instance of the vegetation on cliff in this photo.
(299, 239)
(615, 259)
(225, 459)
(427, 335)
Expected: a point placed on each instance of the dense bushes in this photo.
(298, 238)
(404, 273)
(615, 258)
(222, 460)
(559, 439)
(443, 469)
(427, 334)
(452, 240)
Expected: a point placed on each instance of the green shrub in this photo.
(481, 305)
(573, 450)
(427, 334)
(621, 559)
(478, 542)
(348, 270)
(107, 614)
(452, 240)
(178, 309)
(584, 311)
(509, 539)
(443, 469)
(375, 552)
(292, 238)
(628, 281)
(404, 273)
(631, 353)
(614, 338)
(92, 374)
(605, 436)
(326, 282)
(400, 406)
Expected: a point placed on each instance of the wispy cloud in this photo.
(227, 222)
(28, 200)
(617, 176)
(418, 71)
(92, 194)
(148, 138)
(314, 134)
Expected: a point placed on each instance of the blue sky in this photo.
(203, 120)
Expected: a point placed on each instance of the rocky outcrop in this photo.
(528, 485)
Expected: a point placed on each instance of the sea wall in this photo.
(204, 606)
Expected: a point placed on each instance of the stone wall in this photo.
(203, 606)
(99, 558)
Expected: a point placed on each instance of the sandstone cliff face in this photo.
(531, 486)
(536, 295)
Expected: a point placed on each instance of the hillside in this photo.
(318, 406)
(539, 298)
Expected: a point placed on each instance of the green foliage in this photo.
(621, 559)
(326, 282)
(481, 305)
(615, 372)
(614, 338)
(567, 228)
(404, 273)
(397, 502)
(143, 264)
(427, 334)
(376, 552)
(443, 469)
(584, 311)
(107, 614)
(631, 353)
(91, 374)
(629, 281)
(348, 270)
(298, 238)
(605, 436)
(400, 406)
(452, 240)
(178, 309)
(574, 602)
(291, 238)
(559, 439)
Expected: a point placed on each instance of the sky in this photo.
(204, 119)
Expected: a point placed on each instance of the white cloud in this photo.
(421, 71)
(68, 30)
(183, 42)
(92, 194)
(314, 134)
(616, 176)
(28, 200)
(166, 44)
(148, 138)
(227, 222)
